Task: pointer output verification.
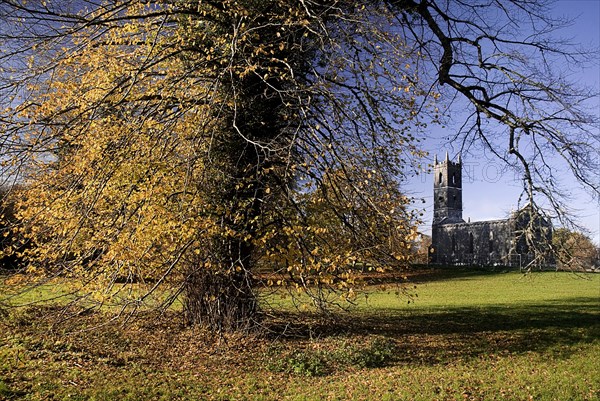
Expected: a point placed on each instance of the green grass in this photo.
(481, 288)
(467, 336)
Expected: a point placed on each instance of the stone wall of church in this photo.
(485, 243)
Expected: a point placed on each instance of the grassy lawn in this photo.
(466, 336)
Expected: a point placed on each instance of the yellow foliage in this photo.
(174, 138)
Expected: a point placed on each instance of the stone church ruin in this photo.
(510, 242)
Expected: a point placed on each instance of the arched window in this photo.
(453, 244)
(441, 179)
(453, 178)
(471, 244)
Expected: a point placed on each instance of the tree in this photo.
(525, 109)
(174, 139)
(574, 250)
(422, 249)
(178, 141)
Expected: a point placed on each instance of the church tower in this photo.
(447, 191)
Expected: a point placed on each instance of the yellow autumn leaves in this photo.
(164, 135)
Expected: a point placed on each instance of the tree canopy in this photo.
(574, 250)
(193, 143)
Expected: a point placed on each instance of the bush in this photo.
(306, 362)
(299, 362)
(378, 353)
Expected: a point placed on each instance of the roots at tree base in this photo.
(220, 301)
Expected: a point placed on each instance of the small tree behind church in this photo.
(574, 250)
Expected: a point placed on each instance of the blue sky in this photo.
(491, 192)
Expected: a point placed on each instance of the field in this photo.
(463, 336)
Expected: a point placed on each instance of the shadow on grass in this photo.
(456, 273)
(423, 274)
(555, 329)
(438, 334)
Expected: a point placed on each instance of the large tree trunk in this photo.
(219, 291)
(219, 294)
(221, 300)
(222, 297)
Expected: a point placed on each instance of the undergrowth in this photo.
(318, 361)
